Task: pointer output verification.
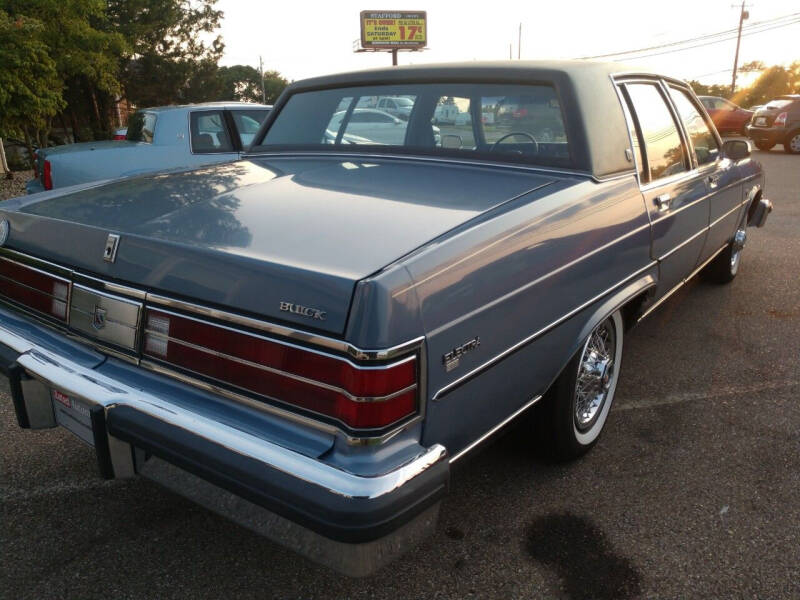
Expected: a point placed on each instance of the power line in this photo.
(732, 37)
(695, 39)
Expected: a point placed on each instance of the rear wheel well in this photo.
(633, 308)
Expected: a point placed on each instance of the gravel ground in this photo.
(691, 493)
(9, 188)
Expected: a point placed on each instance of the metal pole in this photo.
(510, 56)
(394, 57)
(736, 57)
(519, 43)
(261, 73)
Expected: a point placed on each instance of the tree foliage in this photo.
(30, 89)
(173, 52)
(773, 81)
(243, 83)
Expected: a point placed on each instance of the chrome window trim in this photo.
(525, 341)
(366, 156)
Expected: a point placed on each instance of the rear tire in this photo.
(724, 268)
(765, 146)
(791, 144)
(571, 415)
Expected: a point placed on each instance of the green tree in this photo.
(243, 82)
(30, 89)
(172, 55)
(773, 81)
(85, 52)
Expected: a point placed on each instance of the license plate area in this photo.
(73, 415)
(761, 121)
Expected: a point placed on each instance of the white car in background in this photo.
(375, 126)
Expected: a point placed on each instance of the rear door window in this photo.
(209, 132)
(703, 140)
(665, 153)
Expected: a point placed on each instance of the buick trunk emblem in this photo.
(305, 311)
(98, 317)
(110, 251)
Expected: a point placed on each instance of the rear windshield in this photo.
(518, 123)
(141, 127)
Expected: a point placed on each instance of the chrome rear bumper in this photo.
(353, 523)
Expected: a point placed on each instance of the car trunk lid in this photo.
(259, 235)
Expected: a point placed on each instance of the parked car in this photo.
(777, 123)
(157, 139)
(398, 106)
(727, 116)
(376, 126)
(307, 339)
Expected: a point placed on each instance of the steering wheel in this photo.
(513, 133)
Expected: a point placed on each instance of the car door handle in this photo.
(713, 181)
(662, 202)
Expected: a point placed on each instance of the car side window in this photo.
(703, 140)
(248, 122)
(209, 132)
(664, 149)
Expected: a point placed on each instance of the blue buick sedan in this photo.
(306, 339)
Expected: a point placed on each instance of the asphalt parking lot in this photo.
(693, 491)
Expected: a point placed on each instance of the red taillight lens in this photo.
(34, 289)
(119, 137)
(780, 120)
(360, 397)
(47, 180)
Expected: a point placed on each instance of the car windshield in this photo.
(141, 127)
(518, 123)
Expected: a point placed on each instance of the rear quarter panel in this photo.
(553, 254)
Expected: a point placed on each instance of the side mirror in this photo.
(736, 149)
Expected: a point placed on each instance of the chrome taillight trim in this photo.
(365, 437)
(288, 332)
(282, 373)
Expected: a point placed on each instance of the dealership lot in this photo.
(692, 492)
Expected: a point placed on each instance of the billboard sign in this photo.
(394, 30)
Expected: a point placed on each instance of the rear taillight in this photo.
(34, 289)
(780, 120)
(119, 137)
(47, 179)
(361, 397)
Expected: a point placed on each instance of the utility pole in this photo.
(519, 42)
(743, 14)
(261, 73)
(510, 56)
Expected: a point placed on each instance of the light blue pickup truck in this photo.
(158, 139)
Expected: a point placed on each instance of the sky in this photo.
(309, 38)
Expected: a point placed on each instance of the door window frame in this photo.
(661, 84)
